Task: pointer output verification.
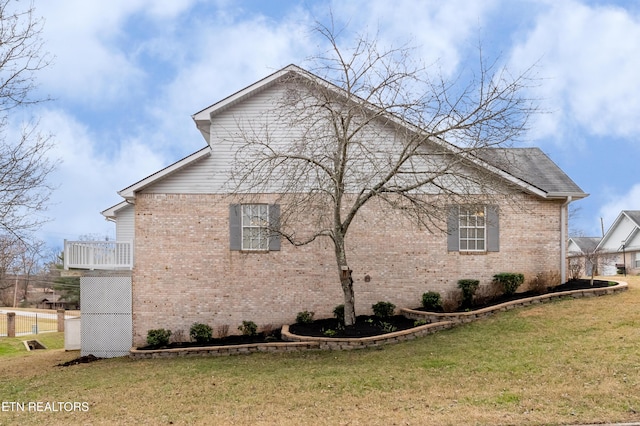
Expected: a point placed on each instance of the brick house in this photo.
(197, 254)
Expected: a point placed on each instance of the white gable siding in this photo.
(125, 218)
(203, 177)
(262, 117)
(573, 248)
(634, 242)
(617, 234)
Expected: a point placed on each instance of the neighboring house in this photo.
(583, 255)
(197, 254)
(622, 244)
(53, 301)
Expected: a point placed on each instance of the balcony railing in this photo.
(98, 255)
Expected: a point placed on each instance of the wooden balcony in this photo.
(106, 255)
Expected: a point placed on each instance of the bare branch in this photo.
(371, 124)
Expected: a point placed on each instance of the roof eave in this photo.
(565, 195)
(129, 192)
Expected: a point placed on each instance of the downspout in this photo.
(563, 240)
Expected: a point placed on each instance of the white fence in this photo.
(98, 254)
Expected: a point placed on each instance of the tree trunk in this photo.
(346, 281)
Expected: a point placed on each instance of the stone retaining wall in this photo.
(436, 322)
(223, 350)
(464, 317)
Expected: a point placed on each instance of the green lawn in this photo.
(568, 362)
(13, 346)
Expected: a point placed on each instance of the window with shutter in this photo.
(473, 229)
(253, 227)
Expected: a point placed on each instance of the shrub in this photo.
(248, 328)
(330, 332)
(304, 317)
(338, 312)
(388, 327)
(452, 301)
(158, 337)
(223, 331)
(432, 301)
(383, 309)
(509, 281)
(487, 293)
(419, 322)
(468, 288)
(543, 281)
(201, 333)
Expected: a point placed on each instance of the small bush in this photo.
(201, 333)
(383, 309)
(223, 331)
(468, 288)
(388, 327)
(304, 317)
(158, 337)
(329, 333)
(509, 281)
(338, 312)
(248, 328)
(418, 323)
(485, 294)
(543, 281)
(432, 301)
(452, 301)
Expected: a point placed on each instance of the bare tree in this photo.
(371, 126)
(24, 165)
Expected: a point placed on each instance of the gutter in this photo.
(563, 240)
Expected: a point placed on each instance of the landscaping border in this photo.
(464, 317)
(436, 322)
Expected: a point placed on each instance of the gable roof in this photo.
(202, 118)
(110, 213)
(586, 244)
(626, 228)
(534, 167)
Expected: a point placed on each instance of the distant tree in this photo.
(327, 146)
(24, 162)
(67, 287)
(20, 265)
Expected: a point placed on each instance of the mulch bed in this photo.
(365, 325)
(223, 341)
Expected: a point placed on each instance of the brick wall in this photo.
(184, 271)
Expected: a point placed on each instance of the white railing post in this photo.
(65, 256)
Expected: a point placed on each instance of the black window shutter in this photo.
(493, 229)
(453, 225)
(235, 227)
(274, 225)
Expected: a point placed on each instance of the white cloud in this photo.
(440, 30)
(589, 57)
(618, 202)
(87, 180)
(93, 62)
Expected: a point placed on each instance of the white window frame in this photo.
(472, 222)
(638, 259)
(259, 227)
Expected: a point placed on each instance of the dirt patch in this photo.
(81, 360)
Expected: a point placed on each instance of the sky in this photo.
(127, 75)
